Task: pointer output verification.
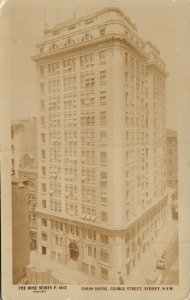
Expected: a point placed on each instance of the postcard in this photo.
(95, 149)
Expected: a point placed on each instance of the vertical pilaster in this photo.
(118, 134)
(117, 256)
(81, 248)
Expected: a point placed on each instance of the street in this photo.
(170, 274)
(166, 241)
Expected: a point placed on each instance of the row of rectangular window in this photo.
(87, 134)
(90, 234)
(72, 103)
(55, 205)
(70, 82)
(70, 64)
(88, 174)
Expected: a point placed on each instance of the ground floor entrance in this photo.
(44, 250)
(74, 251)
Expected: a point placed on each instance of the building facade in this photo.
(23, 140)
(20, 229)
(172, 158)
(24, 164)
(102, 176)
(28, 170)
(172, 167)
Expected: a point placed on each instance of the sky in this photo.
(155, 20)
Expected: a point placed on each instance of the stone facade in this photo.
(102, 195)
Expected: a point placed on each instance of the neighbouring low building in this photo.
(23, 140)
(28, 170)
(20, 229)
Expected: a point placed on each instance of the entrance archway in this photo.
(74, 251)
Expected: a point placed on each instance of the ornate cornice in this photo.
(158, 68)
(121, 38)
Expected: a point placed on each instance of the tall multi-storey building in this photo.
(28, 170)
(23, 140)
(102, 181)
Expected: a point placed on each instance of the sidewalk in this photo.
(148, 263)
(60, 272)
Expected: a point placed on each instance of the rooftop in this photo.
(89, 17)
(21, 121)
